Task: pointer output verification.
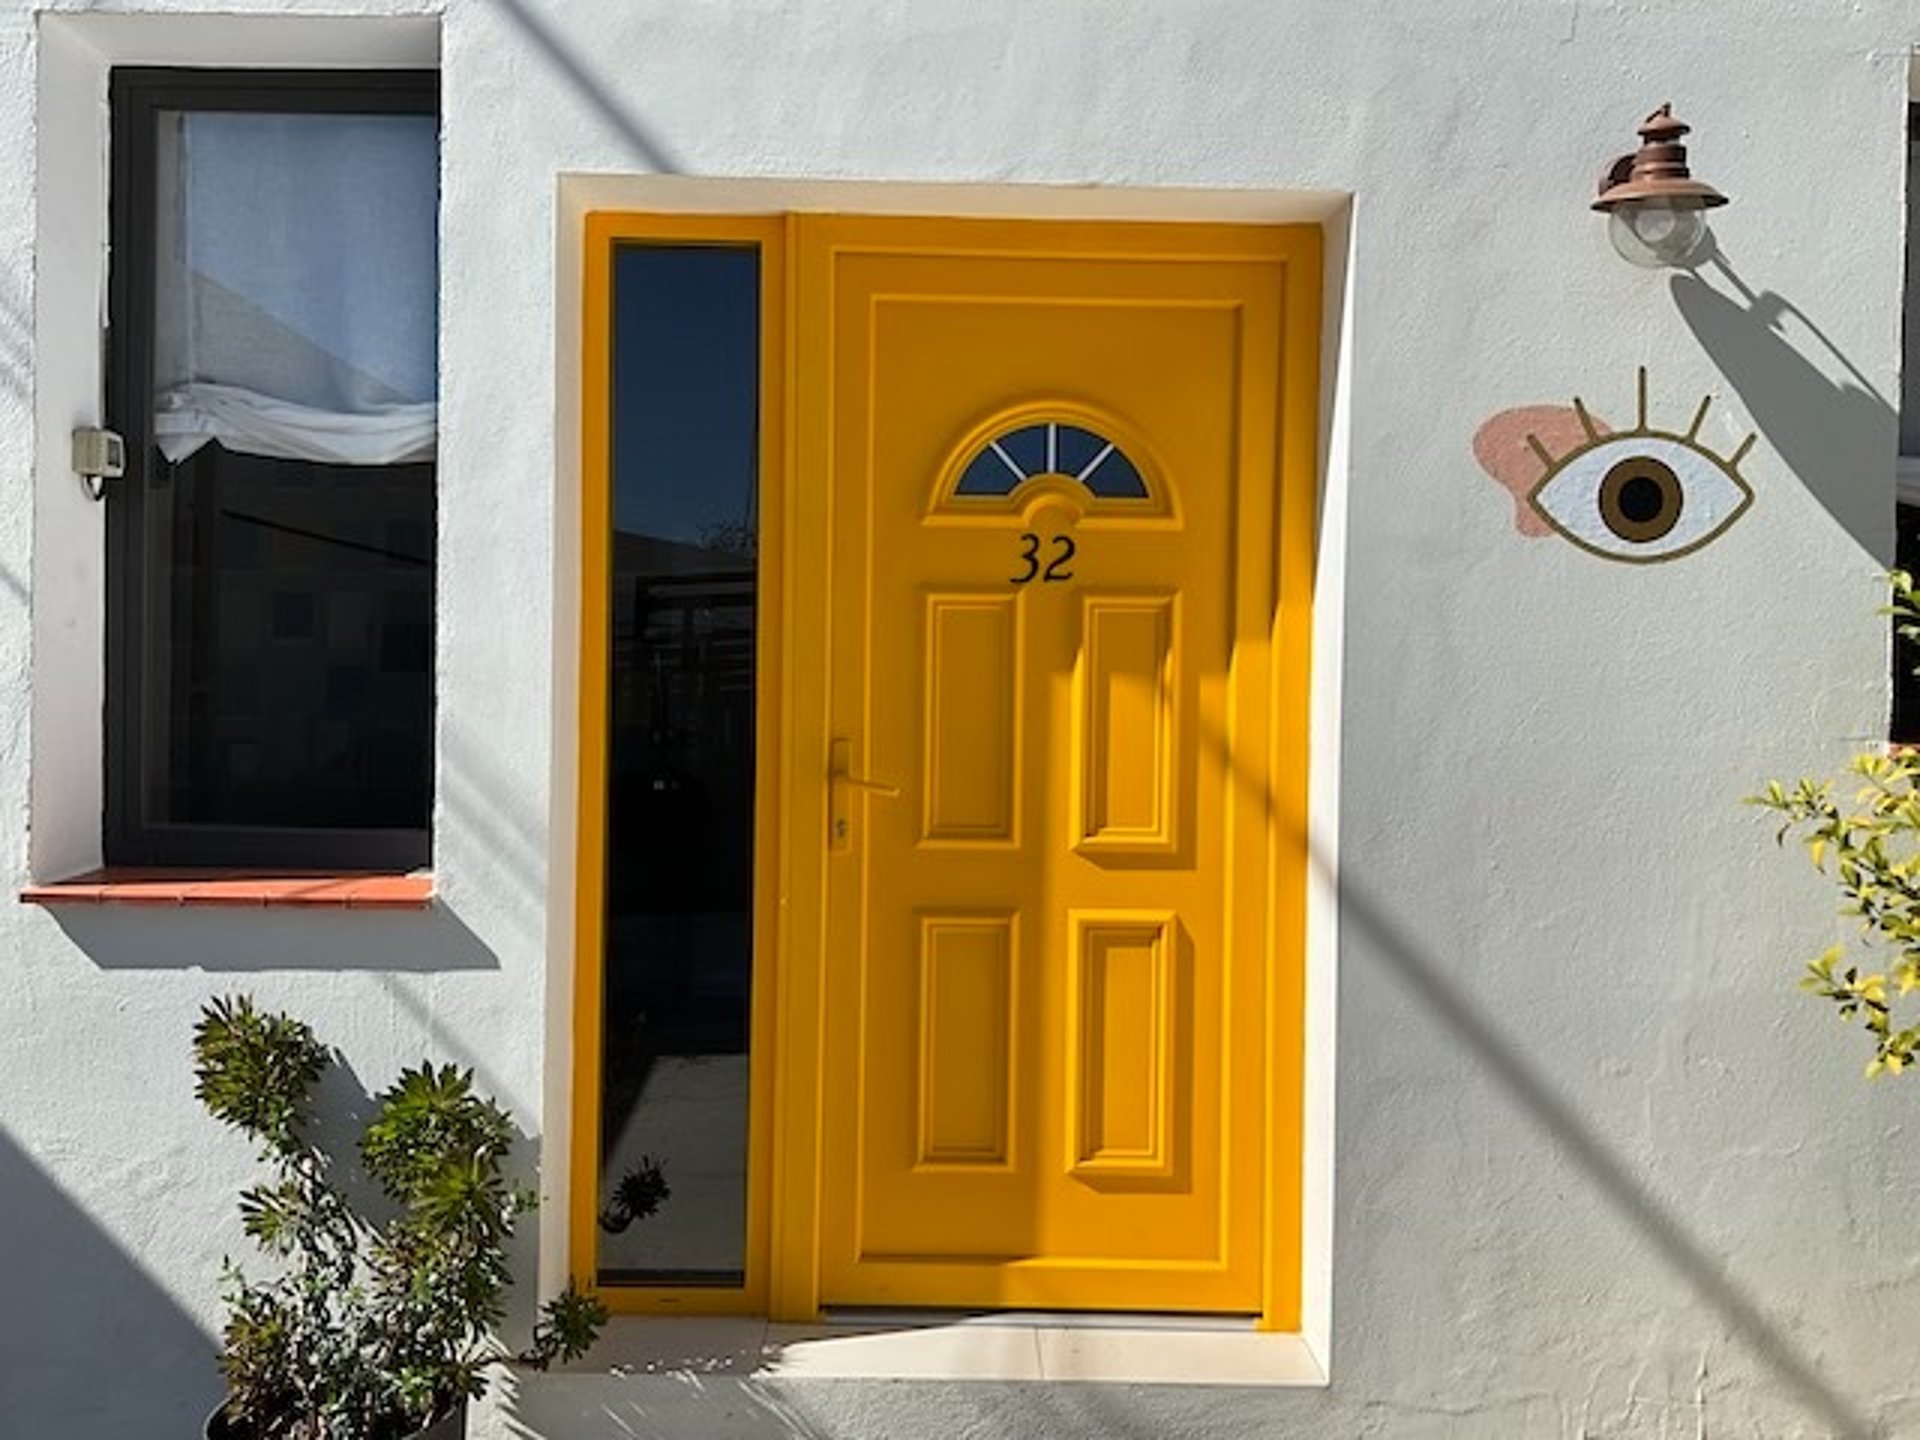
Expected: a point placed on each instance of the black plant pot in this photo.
(450, 1426)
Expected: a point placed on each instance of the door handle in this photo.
(842, 784)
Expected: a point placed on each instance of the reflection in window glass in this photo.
(286, 551)
(680, 773)
(1906, 654)
(290, 613)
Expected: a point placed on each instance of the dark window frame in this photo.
(136, 95)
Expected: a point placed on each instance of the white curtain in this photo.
(296, 287)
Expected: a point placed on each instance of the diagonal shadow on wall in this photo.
(89, 1344)
(15, 381)
(639, 138)
(14, 350)
(691, 1401)
(1527, 1085)
(1369, 934)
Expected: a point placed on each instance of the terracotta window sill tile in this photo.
(255, 889)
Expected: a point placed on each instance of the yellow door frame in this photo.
(794, 653)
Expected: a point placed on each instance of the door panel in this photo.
(1125, 1033)
(966, 985)
(1127, 682)
(1054, 541)
(971, 767)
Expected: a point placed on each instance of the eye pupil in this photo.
(1641, 499)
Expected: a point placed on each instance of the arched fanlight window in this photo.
(1049, 447)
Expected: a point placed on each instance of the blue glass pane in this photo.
(1075, 448)
(686, 398)
(1051, 448)
(986, 474)
(1027, 448)
(1115, 478)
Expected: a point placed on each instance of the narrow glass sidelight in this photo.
(678, 917)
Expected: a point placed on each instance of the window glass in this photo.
(1906, 654)
(295, 284)
(1052, 448)
(290, 623)
(273, 571)
(679, 852)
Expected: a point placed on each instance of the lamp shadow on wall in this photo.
(1835, 431)
(89, 1344)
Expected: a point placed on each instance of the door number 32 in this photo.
(1054, 570)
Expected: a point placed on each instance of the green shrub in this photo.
(370, 1328)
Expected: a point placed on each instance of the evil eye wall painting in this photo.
(1641, 495)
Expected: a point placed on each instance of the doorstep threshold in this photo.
(1040, 1319)
(922, 1345)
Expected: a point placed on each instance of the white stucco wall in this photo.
(1596, 1169)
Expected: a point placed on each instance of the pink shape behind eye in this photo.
(1500, 445)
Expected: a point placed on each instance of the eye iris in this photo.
(1640, 499)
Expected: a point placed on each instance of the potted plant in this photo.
(377, 1322)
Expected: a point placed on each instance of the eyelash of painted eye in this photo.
(1641, 495)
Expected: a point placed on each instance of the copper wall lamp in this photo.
(1656, 210)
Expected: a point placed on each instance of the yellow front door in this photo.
(1056, 756)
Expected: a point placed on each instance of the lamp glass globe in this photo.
(1657, 234)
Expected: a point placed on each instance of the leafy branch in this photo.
(1870, 848)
